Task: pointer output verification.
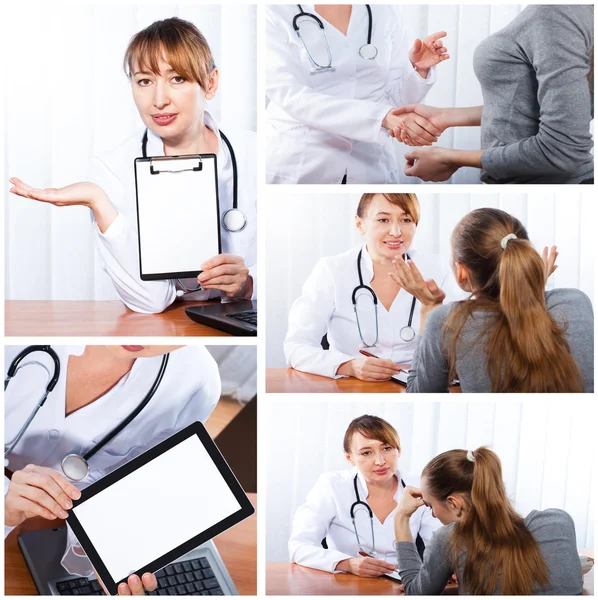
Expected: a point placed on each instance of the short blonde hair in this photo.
(175, 41)
(373, 428)
(408, 202)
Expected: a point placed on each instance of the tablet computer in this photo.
(178, 214)
(157, 507)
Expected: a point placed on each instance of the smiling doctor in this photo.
(334, 74)
(97, 388)
(173, 75)
(352, 299)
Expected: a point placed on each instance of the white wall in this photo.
(305, 227)
(67, 98)
(545, 446)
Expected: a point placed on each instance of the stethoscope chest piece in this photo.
(407, 333)
(368, 51)
(234, 220)
(75, 467)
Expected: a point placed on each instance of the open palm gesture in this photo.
(428, 52)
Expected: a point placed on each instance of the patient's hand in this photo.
(417, 128)
(435, 117)
(430, 164)
(549, 260)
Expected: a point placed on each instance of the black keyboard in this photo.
(247, 316)
(187, 578)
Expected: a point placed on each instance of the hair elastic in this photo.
(470, 456)
(504, 241)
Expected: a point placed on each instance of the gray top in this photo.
(537, 99)
(570, 308)
(553, 530)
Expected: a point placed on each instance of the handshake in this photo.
(416, 124)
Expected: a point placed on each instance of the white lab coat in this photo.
(189, 392)
(325, 307)
(326, 514)
(118, 245)
(320, 126)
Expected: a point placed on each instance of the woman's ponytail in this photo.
(499, 552)
(526, 348)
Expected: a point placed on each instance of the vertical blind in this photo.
(68, 99)
(305, 228)
(545, 447)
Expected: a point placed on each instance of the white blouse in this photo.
(326, 514)
(321, 125)
(325, 307)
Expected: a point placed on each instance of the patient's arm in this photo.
(438, 164)
(441, 118)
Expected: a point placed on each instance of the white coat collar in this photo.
(155, 145)
(363, 488)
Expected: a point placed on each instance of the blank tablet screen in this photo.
(178, 215)
(156, 508)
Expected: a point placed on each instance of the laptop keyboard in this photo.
(186, 578)
(247, 316)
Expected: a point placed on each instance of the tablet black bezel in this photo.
(178, 274)
(199, 430)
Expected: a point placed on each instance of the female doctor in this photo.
(352, 299)
(370, 492)
(334, 74)
(172, 74)
(98, 387)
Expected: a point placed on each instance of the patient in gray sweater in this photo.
(511, 335)
(499, 552)
(537, 100)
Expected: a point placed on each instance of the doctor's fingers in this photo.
(41, 483)
(418, 132)
(55, 476)
(26, 498)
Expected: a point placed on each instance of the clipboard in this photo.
(178, 214)
(158, 507)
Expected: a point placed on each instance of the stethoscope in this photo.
(419, 542)
(233, 220)
(74, 466)
(367, 51)
(407, 333)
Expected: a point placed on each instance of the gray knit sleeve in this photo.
(557, 46)
(429, 367)
(431, 576)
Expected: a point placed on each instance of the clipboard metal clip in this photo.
(154, 171)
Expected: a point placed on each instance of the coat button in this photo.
(54, 434)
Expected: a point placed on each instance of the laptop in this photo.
(236, 318)
(201, 572)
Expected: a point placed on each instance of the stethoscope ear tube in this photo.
(14, 365)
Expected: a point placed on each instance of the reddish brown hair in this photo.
(526, 348)
(175, 41)
(373, 428)
(408, 202)
(501, 553)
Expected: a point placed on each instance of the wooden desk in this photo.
(106, 318)
(237, 547)
(284, 579)
(292, 381)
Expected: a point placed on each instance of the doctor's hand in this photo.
(436, 117)
(365, 566)
(407, 275)
(38, 492)
(430, 164)
(428, 52)
(411, 126)
(549, 259)
(369, 369)
(228, 274)
(134, 585)
(83, 193)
